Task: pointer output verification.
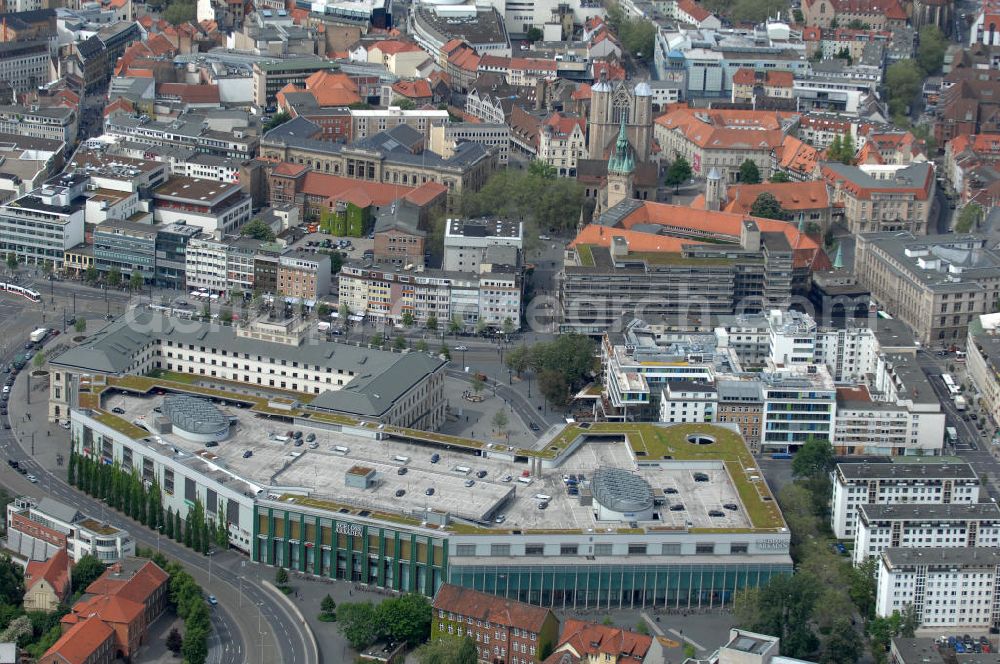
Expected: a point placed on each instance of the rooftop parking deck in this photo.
(656, 452)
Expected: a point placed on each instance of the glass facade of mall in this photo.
(376, 555)
(617, 586)
(411, 562)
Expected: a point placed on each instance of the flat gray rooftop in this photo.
(279, 466)
(891, 471)
(930, 512)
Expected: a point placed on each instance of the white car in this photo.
(32, 479)
(544, 237)
(65, 425)
(461, 348)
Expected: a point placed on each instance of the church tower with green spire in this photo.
(621, 171)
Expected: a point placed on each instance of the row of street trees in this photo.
(125, 491)
(562, 365)
(827, 607)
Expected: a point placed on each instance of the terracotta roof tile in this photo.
(595, 640)
(109, 608)
(289, 169)
(138, 588)
(189, 93)
(809, 195)
(412, 89)
(693, 9)
(331, 186)
(394, 46)
(55, 570)
(426, 193)
(78, 642)
(468, 602)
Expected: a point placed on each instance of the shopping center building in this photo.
(606, 515)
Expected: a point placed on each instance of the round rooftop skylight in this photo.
(194, 418)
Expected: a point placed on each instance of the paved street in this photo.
(270, 633)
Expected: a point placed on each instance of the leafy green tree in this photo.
(534, 34)
(432, 323)
(278, 119)
(399, 343)
(221, 533)
(636, 35)
(80, 325)
(280, 577)
(749, 173)
(543, 170)
(530, 195)
(12, 261)
(500, 422)
(421, 346)
(863, 587)
(47, 268)
(377, 340)
(767, 206)
(11, 580)
(678, 173)
(168, 523)
(553, 386)
(180, 11)
(840, 646)
(780, 176)
(404, 104)
(114, 277)
(782, 607)
(477, 384)
(903, 80)
(39, 359)
(931, 49)
(135, 280)
(195, 646)
(91, 275)
(86, 571)
(444, 352)
(507, 327)
(407, 618)
(517, 359)
(969, 218)
(814, 459)
(178, 531)
(408, 319)
(328, 606)
(358, 623)
(257, 230)
(447, 650)
(642, 628)
(345, 312)
(174, 642)
(689, 651)
(454, 326)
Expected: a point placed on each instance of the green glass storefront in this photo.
(408, 562)
(612, 586)
(348, 550)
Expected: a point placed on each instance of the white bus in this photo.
(951, 435)
(949, 382)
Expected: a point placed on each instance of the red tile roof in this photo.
(694, 10)
(582, 92)
(719, 129)
(189, 93)
(138, 588)
(289, 169)
(481, 606)
(412, 89)
(336, 187)
(394, 46)
(55, 570)
(80, 641)
(333, 89)
(426, 193)
(591, 639)
(792, 196)
(108, 608)
(562, 125)
(795, 155)
(613, 71)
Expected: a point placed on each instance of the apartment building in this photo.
(126, 247)
(210, 205)
(385, 295)
(55, 123)
(936, 285)
(723, 139)
(205, 263)
(26, 65)
(38, 528)
(741, 402)
(40, 226)
(904, 422)
(271, 76)
(882, 198)
(687, 401)
(171, 254)
(368, 122)
(799, 405)
(304, 276)
(950, 589)
(223, 133)
(983, 362)
(466, 241)
(923, 526)
(505, 631)
(856, 484)
(445, 138)
(562, 141)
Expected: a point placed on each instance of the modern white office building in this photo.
(949, 588)
(36, 529)
(925, 526)
(800, 403)
(856, 484)
(40, 226)
(686, 401)
(466, 241)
